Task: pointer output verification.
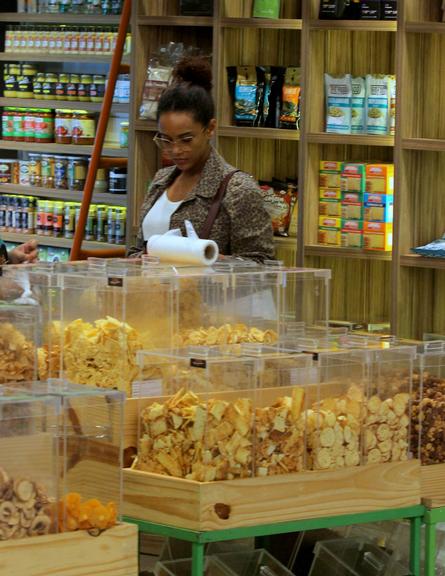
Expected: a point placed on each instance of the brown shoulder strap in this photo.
(216, 206)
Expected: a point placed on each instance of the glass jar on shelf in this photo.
(83, 127)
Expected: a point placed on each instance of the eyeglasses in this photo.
(183, 142)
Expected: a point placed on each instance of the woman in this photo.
(189, 189)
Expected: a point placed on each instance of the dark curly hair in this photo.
(190, 90)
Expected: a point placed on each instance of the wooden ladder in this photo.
(97, 160)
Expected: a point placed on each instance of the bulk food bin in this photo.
(88, 437)
(29, 464)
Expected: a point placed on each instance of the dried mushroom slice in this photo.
(24, 490)
(40, 526)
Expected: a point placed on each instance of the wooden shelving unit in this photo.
(90, 63)
(367, 286)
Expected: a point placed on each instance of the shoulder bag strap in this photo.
(216, 205)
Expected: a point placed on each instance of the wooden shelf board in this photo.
(78, 58)
(285, 241)
(427, 144)
(57, 242)
(339, 252)
(64, 195)
(146, 126)
(63, 104)
(276, 24)
(425, 27)
(251, 132)
(193, 21)
(59, 18)
(416, 261)
(355, 25)
(351, 139)
(72, 149)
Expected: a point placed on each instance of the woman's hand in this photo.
(26, 253)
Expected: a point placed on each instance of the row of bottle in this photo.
(24, 81)
(104, 7)
(42, 125)
(55, 39)
(60, 172)
(27, 215)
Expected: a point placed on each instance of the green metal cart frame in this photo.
(415, 514)
(431, 518)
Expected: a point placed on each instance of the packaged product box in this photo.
(329, 222)
(329, 236)
(266, 9)
(380, 179)
(352, 239)
(330, 194)
(389, 10)
(330, 174)
(352, 225)
(330, 208)
(352, 197)
(353, 177)
(378, 208)
(377, 236)
(352, 210)
(370, 10)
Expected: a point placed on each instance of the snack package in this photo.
(358, 105)
(377, 236)
(338, 93)
(392, 104)
(380, 179)
(332, 9)
(196, 7)
(353, 177)
(277, 200)
(271, 114)
(389, 10)
(377, 91)
(265, 104)
(158, 76)
(379, 208)
(370, 9)
(266, 9)
(246, 95)
(435, 249)
(330, 174)
(290, 111)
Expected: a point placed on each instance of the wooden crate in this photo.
(114, 553)
(207, 506)
(432, 485)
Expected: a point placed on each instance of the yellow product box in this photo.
(352, 239)
(330, 174)
(329, 222)
(330, 193)
(329, 236)
(377, 236)
(351, 211)
(329, 208)
(380, 179)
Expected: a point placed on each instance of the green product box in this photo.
(266, 9)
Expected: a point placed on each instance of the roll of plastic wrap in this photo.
(182, 250)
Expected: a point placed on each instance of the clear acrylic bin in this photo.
(428, 410)
(19, 339)
(253, 563)
(212, 567)
(89, 437)
(353, 557)
(29, 461)
(204, 431)
(106, 320)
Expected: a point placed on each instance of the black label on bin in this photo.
(115, 281)
(198, 363)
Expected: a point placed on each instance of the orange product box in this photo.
(377, 236)
(380, 179)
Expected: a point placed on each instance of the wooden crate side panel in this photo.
(432, 485)
(114, 553)
(249, 502)
(162, 499)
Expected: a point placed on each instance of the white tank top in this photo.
(157, 219)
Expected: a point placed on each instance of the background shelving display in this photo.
(82, 63)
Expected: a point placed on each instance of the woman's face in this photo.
(184, 140)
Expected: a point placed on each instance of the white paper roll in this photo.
(178, 249)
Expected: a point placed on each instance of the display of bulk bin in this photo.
(428, 418)
(19, 338)
(212, 567)
(29, 459)
(254, 562)
(106, 319)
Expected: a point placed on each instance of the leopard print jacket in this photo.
(242, 228)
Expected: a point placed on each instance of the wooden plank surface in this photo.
(252, 501)
(113, 553)
(432, 485)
